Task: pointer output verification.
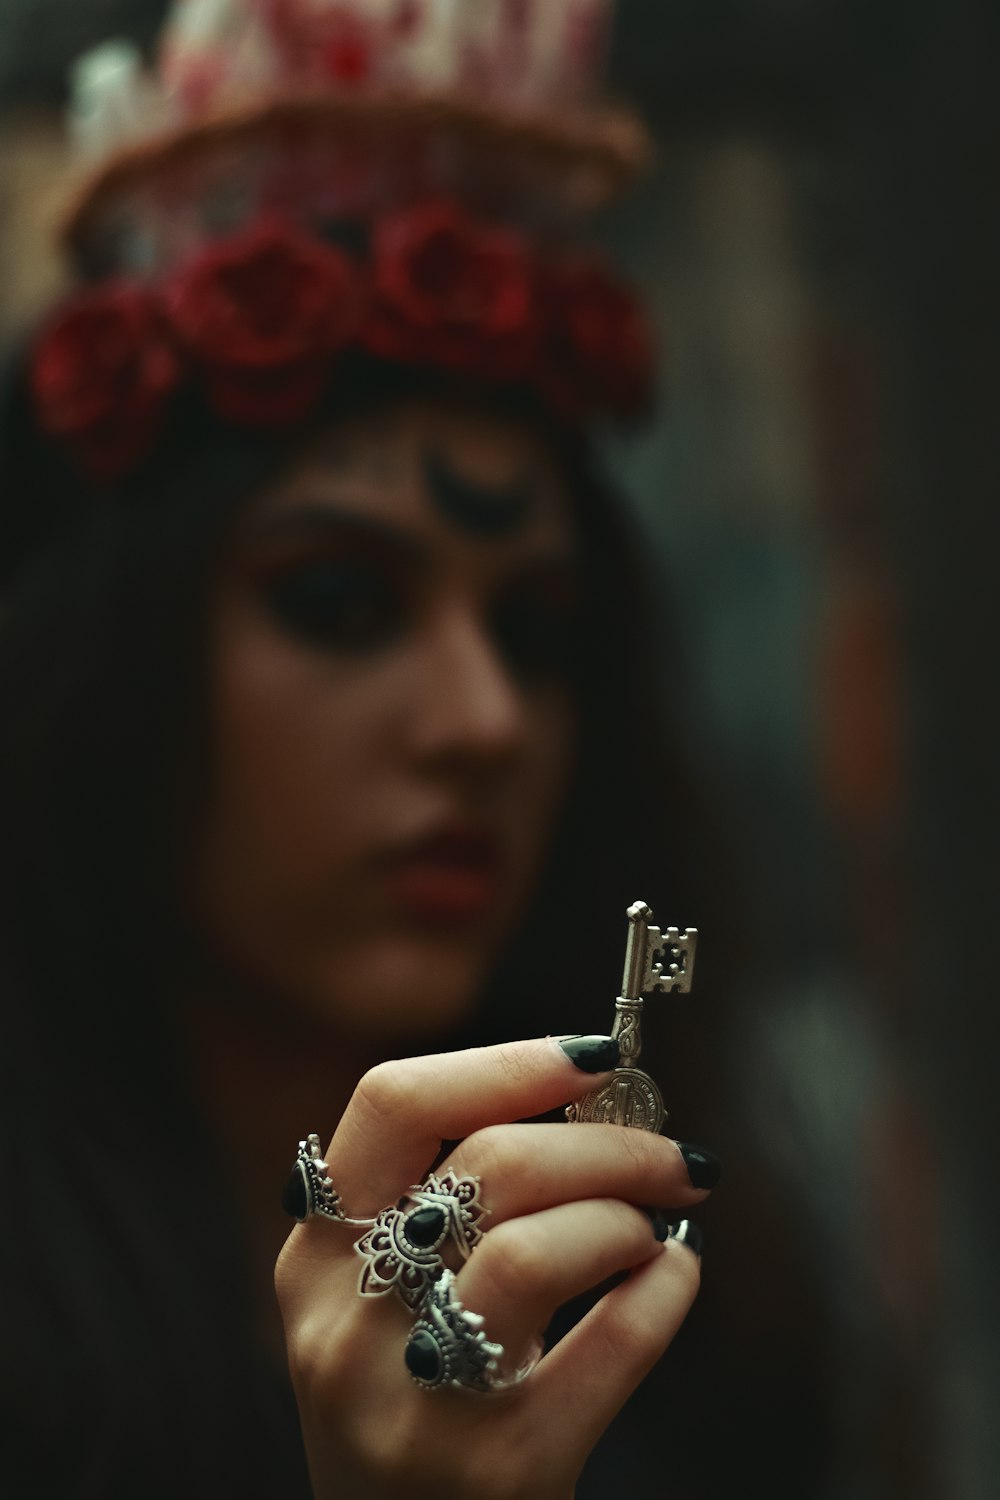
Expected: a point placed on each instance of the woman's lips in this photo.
(446, 880)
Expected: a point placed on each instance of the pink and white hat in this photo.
(301, 185)
(327, 107)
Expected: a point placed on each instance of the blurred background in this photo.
(820, 244)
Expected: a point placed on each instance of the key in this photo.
(654, 960)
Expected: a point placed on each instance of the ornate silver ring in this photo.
(447, 1346)
(309, 1191)
(403, 1251)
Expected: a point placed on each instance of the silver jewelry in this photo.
(309, 1190)
(654, 960)
(401, 1251)
(447, 1346)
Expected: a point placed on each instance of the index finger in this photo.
(401, 1111)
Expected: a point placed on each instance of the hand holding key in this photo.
(559, 1211)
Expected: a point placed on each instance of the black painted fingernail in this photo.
(686, 1232)
(703, 1169)
(591, 1054)
(661, 1224)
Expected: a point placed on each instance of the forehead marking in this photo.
(482, 510)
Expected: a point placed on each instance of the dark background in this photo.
(820, 243)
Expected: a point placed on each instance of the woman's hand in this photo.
(561, 1219)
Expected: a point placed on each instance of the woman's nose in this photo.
(468, 708)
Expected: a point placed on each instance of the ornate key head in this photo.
(656, 960)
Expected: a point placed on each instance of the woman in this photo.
(290, 722)
(326, 728)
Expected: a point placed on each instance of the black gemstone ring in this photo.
(404, 1249)
(447, 1346)
(309, 1190)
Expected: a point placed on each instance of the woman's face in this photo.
(391, 721)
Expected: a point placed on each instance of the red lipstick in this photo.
(447, 879)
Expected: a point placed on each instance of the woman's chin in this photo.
(406, 989)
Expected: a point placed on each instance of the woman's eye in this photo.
(338, 604)
(537, 636)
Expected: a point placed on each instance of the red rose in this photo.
(451, 291)
(101, 375)
(598, 347)
(262, 313)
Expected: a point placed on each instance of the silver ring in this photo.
(309, 1191)
(447, 1346)
(402, 1249)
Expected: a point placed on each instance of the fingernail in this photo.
(686, 1232)
(591, 1054)
(703, 1169)
(661, 1224)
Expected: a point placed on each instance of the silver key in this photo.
(654, 960)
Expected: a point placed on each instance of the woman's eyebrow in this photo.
(319, 522)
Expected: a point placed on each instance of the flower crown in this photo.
(260, 321)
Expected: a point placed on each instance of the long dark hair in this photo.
(104, 595)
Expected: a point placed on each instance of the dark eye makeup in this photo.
(351, 603)
(358, 601)
(536, 628)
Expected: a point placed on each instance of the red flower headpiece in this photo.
(260, 320)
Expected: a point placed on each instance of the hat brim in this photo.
(573, 163)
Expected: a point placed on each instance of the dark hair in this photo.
(103, 601)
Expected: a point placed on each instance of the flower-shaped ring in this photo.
(401, 1252)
